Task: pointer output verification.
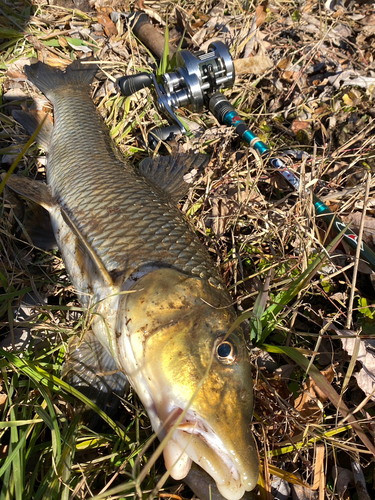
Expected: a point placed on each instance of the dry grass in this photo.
(255, 228)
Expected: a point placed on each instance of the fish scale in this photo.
(123, 231)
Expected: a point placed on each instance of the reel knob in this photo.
(131, 84)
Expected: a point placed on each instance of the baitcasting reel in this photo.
(190, 85)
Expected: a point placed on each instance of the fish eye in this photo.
(226, 352)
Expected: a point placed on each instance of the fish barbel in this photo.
(119, 230)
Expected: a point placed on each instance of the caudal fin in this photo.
(49, 79)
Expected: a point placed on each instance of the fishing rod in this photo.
(225, 113)
(195, 84)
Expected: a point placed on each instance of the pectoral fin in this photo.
(86, 249)
(37, 224)
(90, 369)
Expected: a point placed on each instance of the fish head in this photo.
(193, 377)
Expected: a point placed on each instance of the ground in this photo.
(305, 83)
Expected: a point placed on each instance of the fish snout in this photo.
(235, 468)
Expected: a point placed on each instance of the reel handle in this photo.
(162, 135)
(131, 84)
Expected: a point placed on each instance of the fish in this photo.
(161, 313)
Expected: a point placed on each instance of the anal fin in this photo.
(36, 191)
(33, 210)
(31, 120)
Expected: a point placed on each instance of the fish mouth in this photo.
(194, 440)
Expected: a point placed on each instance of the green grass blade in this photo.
(18, 457)
(18, 423)
(270, 316)
(264, 323)
(258, 310)
(55, 384)
(164, 63)
(13, 454)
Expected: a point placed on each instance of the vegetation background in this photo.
(306, 82)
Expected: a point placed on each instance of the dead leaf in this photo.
(199, 37)
(80, 48)
(280, 488)
(62, 41)
(261, 13)
(302, 493)
(342, 31)
(255, 65)
(150, 12)
(108, 25)
(229, 202)
(82, 5)
(57, 62)
(309, 403)
(15, 94)
(284, 63)
(366, 357)
(321, 110)
(218, 10)
(366, 82)
(15, 70)
(291, 76)
(342, 478)
(108, 6)
(222, 207)
(368, 20)
(298, 125)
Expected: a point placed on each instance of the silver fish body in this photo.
(160, 308)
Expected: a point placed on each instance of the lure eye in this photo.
(226, 352)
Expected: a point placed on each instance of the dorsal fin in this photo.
(31, 120)
(86, 247)
(174, 174)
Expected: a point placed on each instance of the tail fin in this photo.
(49, 79)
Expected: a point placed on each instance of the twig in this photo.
(359, 480)
(358, 253)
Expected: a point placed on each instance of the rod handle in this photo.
(149, 35)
